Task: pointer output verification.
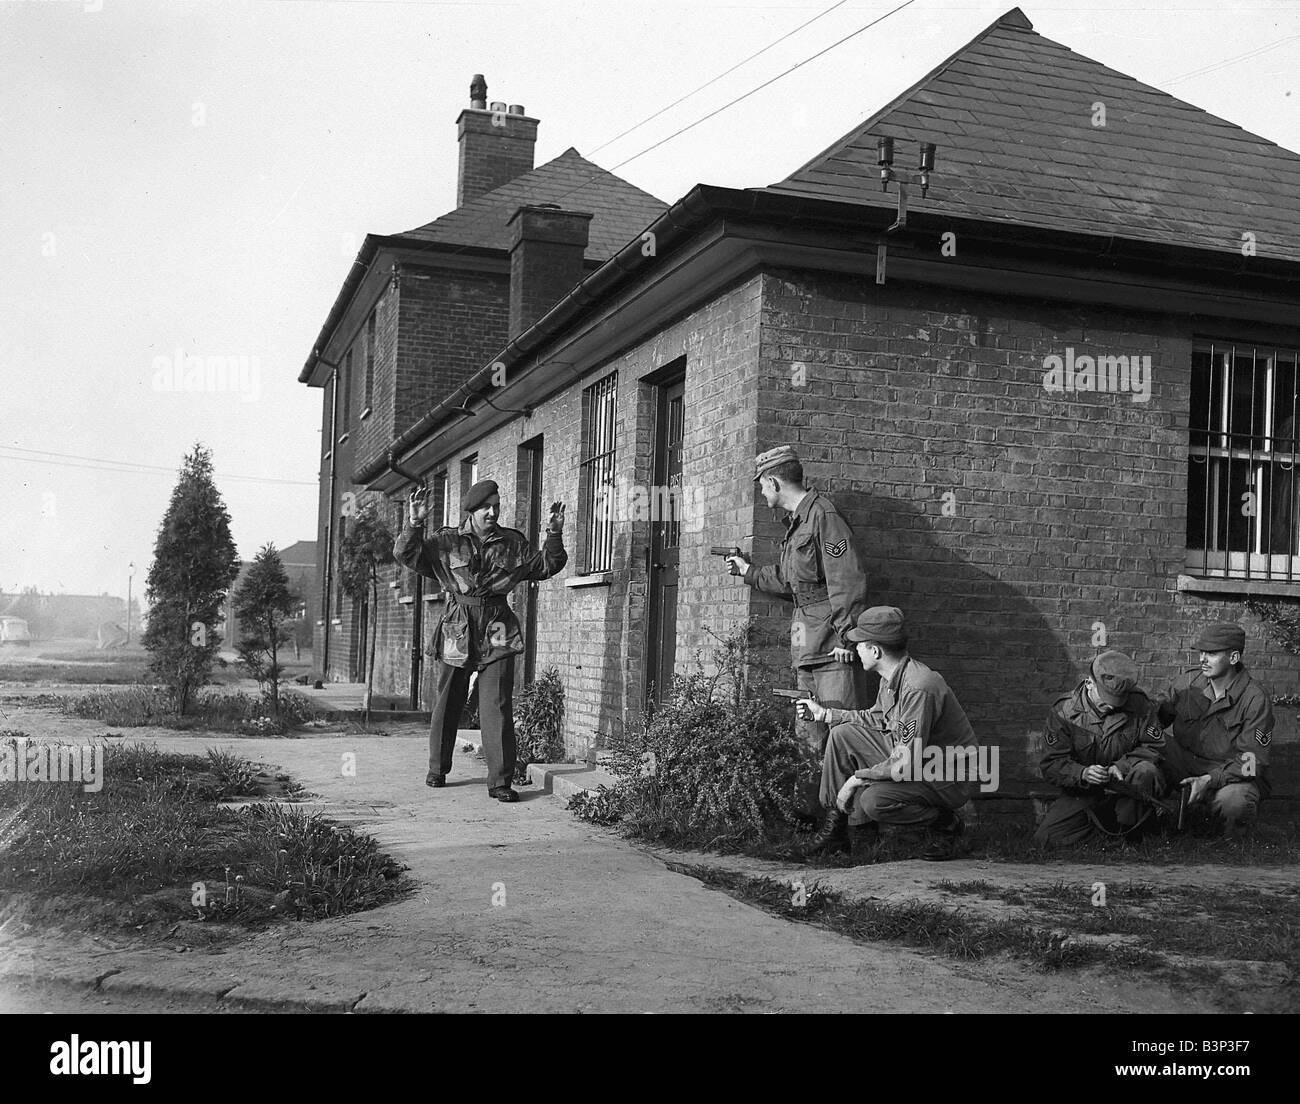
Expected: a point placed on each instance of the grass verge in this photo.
(1191, 937)
(155, 847)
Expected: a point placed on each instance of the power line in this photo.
(1214, 66)
(128, 467)
(706, 84)
(487, 219)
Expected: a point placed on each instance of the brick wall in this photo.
(450, 324)
(1067, 512)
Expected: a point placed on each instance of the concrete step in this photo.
(567, 779)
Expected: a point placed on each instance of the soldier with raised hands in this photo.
(477, 566)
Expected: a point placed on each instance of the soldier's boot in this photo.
(944, 835)
(863, 840)
(832, 836)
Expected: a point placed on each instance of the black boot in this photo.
(863, 839)
(830, 837)
(944, 834)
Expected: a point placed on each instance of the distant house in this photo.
(300, 566)
(1057, 404)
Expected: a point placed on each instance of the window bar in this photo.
(1207, 460)
(1230, 380)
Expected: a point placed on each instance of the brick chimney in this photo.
(496, 143)
(546, 260)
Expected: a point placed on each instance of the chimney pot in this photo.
(478, 91)
(517, 109)
(499, 105)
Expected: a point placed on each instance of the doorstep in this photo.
(566, 780)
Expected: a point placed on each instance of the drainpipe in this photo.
(417, 607)
(329, 519)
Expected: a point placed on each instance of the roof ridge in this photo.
(1014, 19)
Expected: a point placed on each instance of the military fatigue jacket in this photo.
(1227, 739)
(820, 573)
(477, 627)
(1078, 735)
(916, 705)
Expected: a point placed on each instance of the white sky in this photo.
(197, 175)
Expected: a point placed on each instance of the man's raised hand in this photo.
(556, 522)
(417, 507)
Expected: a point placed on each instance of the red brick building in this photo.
(1058, 405)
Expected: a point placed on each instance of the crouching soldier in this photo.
(868, 770)
(1223, 725)
(1105, 731)
(477, 565)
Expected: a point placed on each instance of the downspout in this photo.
(417, 609)
(329, 520)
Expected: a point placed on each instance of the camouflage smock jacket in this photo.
(478, 626)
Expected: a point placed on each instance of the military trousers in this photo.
(1067, 821)
(837, 686)
(496, 684)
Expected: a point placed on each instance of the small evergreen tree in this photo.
(367, 547)
(194, 563)
(264, 607)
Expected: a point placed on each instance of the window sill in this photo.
(595, 579)
(1193, 584)
(436, 596)
(336, 621)
(343, 438)
(320, 624)
(406, 601)
(393, 585)
(363, 415)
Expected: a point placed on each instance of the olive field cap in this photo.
(1114, 675)
(1221, 636)
(478, 494)
(878, 625)
(764, 462)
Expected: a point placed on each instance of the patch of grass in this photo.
(153, 846)
(1189, 935)
(212, 711)
(925, 925)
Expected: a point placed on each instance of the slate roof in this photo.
(620, 211)
(1012, 114)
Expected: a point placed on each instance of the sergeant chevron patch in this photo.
(1262, 738)
(906, 731)
(838, 548)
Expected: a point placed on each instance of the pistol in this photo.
(723, 550)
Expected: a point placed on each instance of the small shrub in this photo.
(539, 722)
(235, 776)
(718, 764)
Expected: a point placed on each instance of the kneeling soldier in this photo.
(1223, 725)
(1105, 729)
(871, 750)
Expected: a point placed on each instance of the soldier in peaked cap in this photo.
(819, 572)
(477, 565)
(1223, 725)
(1104, 730)
(868, 771)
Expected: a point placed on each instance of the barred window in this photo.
(1243, 500)
(596, 477)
